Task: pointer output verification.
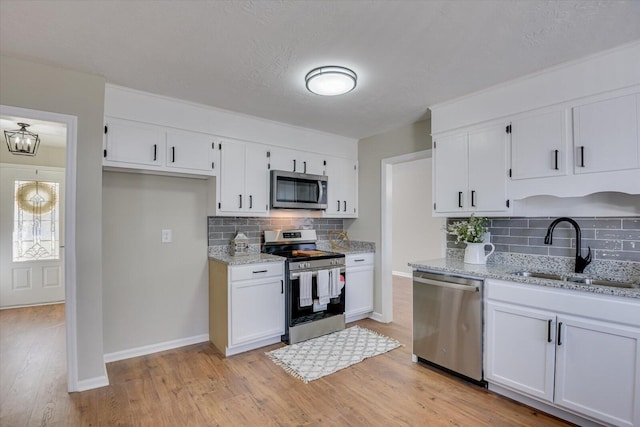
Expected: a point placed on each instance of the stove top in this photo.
(299, 247)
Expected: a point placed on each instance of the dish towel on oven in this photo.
(335, 284)
(322, 281)
(306, 288)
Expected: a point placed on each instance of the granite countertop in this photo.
(253, 258)
(505, 272)
(355, 247)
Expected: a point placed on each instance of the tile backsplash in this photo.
(610, 238)
(222, 229)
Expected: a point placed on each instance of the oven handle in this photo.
(294, 276)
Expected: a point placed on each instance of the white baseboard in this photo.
(95, 382)
(356, 317)
(154, 348)
(402, 274)
(377, 317)
(251, 346)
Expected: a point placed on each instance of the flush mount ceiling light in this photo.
(21, 141)
(331, 80)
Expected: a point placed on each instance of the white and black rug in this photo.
(317, 357)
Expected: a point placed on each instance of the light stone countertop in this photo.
(505, 272)
(246, 259)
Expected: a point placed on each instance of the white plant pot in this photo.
(475, 253)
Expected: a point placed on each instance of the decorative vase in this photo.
(474, 253)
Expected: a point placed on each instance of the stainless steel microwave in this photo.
(293, 190)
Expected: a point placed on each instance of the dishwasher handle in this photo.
(468, 288)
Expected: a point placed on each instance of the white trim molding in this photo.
(402, 274)
(70, 236)
(154, 348)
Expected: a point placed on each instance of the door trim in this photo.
(70, 230)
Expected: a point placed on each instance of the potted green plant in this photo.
(472, 232)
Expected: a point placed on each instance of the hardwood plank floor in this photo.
(196, 386)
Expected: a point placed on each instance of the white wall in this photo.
(41, 87)
(371, 151)
(153, 292)
(417, 235)
(46, 156)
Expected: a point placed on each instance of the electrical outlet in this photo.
(166, 236)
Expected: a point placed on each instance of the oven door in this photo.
(301, 312)
(291, 190)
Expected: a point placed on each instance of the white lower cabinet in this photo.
(246, 305)
(359, 286)
(568, 350)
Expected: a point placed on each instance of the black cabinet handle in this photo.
(338, 205)
(473, 198)
(294, 165)
(173, 154)
(459, 199)
(282, 286)
(555, 155)
(549, 323)
(344, 204)
(358, 260)
(250, 201)
(305, 166)
(240, 201)
(155, 152)
(560, 333)
(259, 271)
(582, 156)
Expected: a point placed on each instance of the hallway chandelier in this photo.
(21, 141)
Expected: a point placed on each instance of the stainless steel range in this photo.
(314, 291)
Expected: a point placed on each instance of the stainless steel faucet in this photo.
(581, 263)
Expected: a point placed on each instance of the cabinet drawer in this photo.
(356, 260)
(257, 271)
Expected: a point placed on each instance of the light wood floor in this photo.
(195, 386)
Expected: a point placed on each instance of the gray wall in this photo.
(371, 151)
(47, 156)
(416, 233)
(153, 292)
(609, 238)
(41, 87)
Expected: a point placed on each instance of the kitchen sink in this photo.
(575, 279)
(550, 276)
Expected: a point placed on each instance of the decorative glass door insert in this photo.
(36, 225)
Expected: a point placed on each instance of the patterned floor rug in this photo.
(317, 357)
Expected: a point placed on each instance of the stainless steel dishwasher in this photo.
(447, 323)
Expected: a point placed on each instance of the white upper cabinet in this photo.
(286, 159)
(192, 150)
(244, 179)
(606, 135)
(470, 172)
(136, 145)
(539, 145)
(342, 197)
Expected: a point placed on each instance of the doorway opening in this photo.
(416, 235)
(37, 230)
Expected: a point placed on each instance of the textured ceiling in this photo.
(252, 56)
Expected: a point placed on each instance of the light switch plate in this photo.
(166, 236)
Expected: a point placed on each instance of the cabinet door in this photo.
(359, 286)
(342, 187)
(598, 370)
(284, 159)
(232, 173)
(191, 150)
(606, 135)
(257, 310)
(538, 145)
(450, 173)
(487, 170)
(256, 179)
(520, 349)
(134, 143)
(312, 163)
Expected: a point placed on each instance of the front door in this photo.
(31, 235)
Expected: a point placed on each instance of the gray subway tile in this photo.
(631, 246)
(528, 232)
(631, 223)
(534, 250)
(618, 255)
(502, 248)
(499, 231)
(618, 234)
(610, 223)
(564, 252)
(510, 240)
(218, 242)
(511, 223)
(615, 245)
(559, 243)
(543, 223)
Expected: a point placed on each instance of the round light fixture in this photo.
(331, 80)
